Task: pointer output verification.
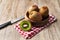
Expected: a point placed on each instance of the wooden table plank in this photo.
(11, 9)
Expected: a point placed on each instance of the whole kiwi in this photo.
(44, 11)
(35, 16)
(33, 8)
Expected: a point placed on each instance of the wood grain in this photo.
(11, 9)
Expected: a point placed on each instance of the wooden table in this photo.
(11, 9)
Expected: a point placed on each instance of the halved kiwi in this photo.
(25, 25)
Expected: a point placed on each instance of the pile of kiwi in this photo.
(35, 14)
(38, 14)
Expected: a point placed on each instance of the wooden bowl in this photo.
(35, 23)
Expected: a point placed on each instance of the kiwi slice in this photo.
(25, 25)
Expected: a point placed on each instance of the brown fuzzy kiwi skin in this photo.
(33, 8)
(44, 11)
(35, 16)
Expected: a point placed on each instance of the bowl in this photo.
(35, 23)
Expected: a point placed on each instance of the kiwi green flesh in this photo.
(25, 28)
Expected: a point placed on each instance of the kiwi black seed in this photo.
(25, 25)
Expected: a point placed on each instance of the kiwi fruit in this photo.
(35, 16)
(44, 11)
(25, 25)
(33, 8)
